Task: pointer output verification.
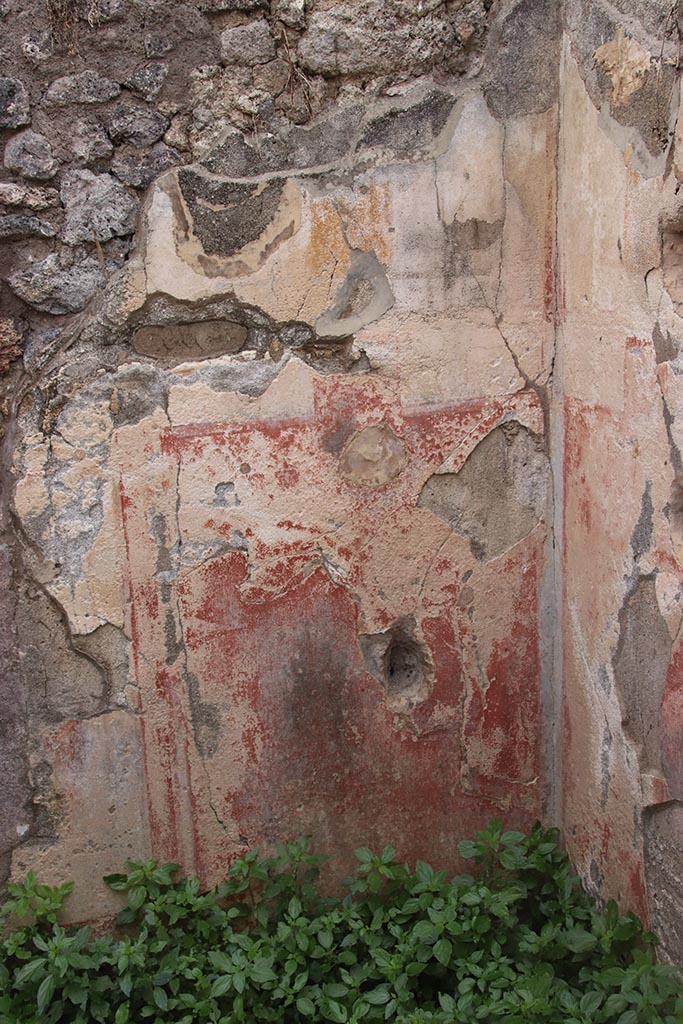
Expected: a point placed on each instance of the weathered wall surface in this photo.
(619, 219)
(341, 487)
(281, 491)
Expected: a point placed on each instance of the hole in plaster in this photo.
(403, 666)
(400, 662)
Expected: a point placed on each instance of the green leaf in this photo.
(335, 990)
(336, 1012)
(512, 859)
(590, 1002)
(630, 1017)
(116, 882)
(424, 872)
(467, 849)
(579, 940)
(136, 897)
(425, 931)
(29, 971)
(612, 976)
(512, 838)
(221, 986)
(377, 997)
(221, 961)
(122, 1014)
(443, 950)
(364, 855)
(306, 1006)
(45, 993)
(160, 998)
(616, 1003)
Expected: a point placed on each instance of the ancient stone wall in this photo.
(341, 480)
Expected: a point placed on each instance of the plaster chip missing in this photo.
(498, 496)
(373, 457)
(626, 62)
(641, 664)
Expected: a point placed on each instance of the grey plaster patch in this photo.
(664, 345)
(225, 495)
(363, 298)
(643, 531)
(63, 683)
(326, 141)
(137, 391)
(206, 718)
(498, 496)
(640, 663)
(647, 117)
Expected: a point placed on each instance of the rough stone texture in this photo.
(97, 207)
(247, 44)
(16, 194)
(375, 38)
(17, 225)
(140, 171)
(60, 283)
(10, 343)
(30, 155)
(15, 107)
(138, 126)
(90, 142)
(147, 81)
(290, 12)
(347, 478)
(86, 87)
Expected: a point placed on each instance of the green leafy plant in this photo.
(518, 941)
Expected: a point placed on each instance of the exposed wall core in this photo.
(341, 458)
